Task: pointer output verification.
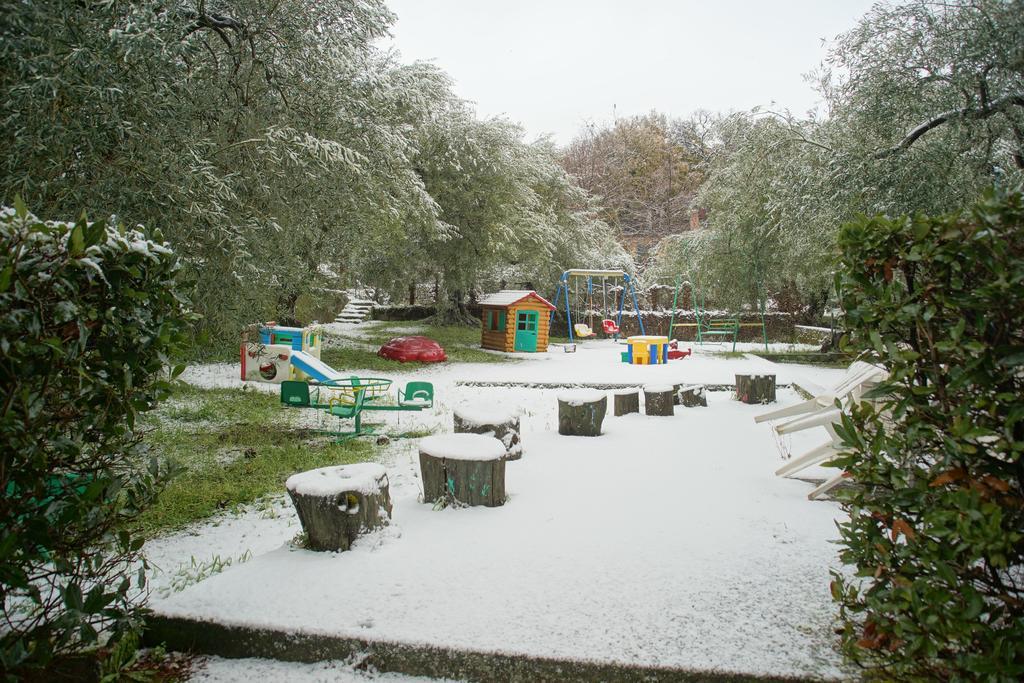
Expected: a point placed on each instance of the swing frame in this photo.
(721, 327)
(565, 283)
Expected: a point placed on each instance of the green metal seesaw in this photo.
(348, 398)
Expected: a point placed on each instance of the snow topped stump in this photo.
(692, 395)
(337, 504)
(581, 412)
(466, 468)
(501, 426)
(627, 401)
(755, 388)
(658, 399)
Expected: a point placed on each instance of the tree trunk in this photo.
(692, 396)
(452, 310)
(338, 504)
(627, 401)
(503, 428)
(462, 479)
(755, 388)
(581, 413)
(658, 400)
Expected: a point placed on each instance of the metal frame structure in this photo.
(627, 284)
(702, 321)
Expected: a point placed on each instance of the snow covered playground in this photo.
(664, 548)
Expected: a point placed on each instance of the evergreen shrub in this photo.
(90, 314)
(936, 515)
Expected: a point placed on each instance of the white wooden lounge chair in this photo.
(859, 378)
(824, 410)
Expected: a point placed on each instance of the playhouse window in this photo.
(496, 320)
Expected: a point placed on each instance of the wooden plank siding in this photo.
(496, 340)
(543, 314)
(505, 340)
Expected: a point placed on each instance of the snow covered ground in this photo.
(249, 670)
(666, 541)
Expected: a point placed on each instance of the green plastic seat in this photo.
(295, 394)
(417, 394)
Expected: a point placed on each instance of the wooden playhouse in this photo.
(515, 320)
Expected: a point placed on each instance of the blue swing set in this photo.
(575, 276)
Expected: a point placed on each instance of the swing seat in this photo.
(417, 394)
(609, 327)
(582, 330)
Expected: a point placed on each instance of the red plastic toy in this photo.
(609, 326)
(674, 353)
(413, 349)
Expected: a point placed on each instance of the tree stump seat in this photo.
(755, 388)
(627, 401)
(338, 504)
(581, 412)
(658, 399)
(692, 395)
(501, 426)
(463, 468)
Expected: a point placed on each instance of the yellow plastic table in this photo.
(646, 349)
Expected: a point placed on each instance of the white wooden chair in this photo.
(823, 411)
(859, 378)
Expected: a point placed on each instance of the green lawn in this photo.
(461, 344)
(230, 447)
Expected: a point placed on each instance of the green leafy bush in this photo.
(89, 314)
(937, 516)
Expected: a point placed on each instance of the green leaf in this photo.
(76, 241)
(19, 207)
(1012, 360)
(5, 277)
(73, 596)
(95, 232)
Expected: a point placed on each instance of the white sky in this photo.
(555, 65)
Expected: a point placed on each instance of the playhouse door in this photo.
(526, 331)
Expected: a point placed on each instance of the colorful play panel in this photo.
(270, 357)
(646, 349)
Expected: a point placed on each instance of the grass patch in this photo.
(344, 358)
(461, 343)
(828, 360)
(728, 354)
(230, 447)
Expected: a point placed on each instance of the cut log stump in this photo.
(627, 401)
(658, 399)
(692, 395)
(581, 412)
(463, 468)
(755, 388)
(501, 426)
(338, 504)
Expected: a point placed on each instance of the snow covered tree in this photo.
(925, 111)
(642, 173)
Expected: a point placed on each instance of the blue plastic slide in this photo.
(315, 368)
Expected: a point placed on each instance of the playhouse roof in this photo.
(508, 297)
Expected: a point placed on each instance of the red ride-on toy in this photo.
(674, 353)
